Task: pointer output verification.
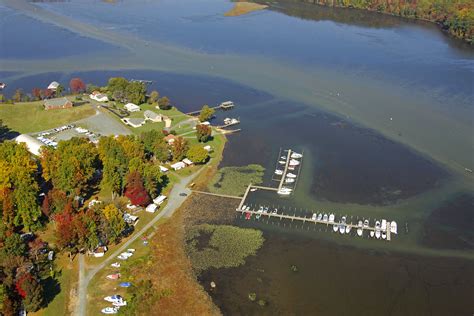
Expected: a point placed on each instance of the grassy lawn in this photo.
(28, 117)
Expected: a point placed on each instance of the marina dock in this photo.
(224, 106)
(280, 215)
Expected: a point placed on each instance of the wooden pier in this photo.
(282, 216)
(283, 176)
(228, 125)
(220, 106)
(217, 194)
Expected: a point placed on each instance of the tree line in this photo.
(50, 190)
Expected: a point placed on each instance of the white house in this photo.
(179, 165)
(32, 144)
(53, 86)
(152, 116)
(160, 199)
(96, 95)
(134, 122)
(151, 208)
(130, 107)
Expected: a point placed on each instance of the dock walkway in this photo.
(217, 194)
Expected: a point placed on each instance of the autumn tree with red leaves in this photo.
(31, 292)
(77, 85)
(135, 190)
(36, 92)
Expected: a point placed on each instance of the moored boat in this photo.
(325, 217)
(342, 229)
(348, 229)
(331, 218)
(320, 216)
(372, 233)
(359, 231)
(291, 175)
(377, 234)
(295, 155)
(289, 180)
(384, 235)
(110, 310)
(393, 227)
(335, 228)
(278, 172)
(366, 223)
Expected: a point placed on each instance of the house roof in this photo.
(56, 102)
(178, 165)
(169, 137)
(53, 85)
(135, 120)
(151, 115)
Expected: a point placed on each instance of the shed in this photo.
(33, 145)
(152, 116)
(163, 169)
(179, 165)
(59, 103)
(169, 138)
(132, 107)
(167, 121)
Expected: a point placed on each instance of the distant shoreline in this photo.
(241, 8)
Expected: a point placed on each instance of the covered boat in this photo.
(332, 218)
(393, 227)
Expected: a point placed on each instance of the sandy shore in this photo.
(241, 8)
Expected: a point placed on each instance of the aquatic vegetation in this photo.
(221, 246)
(235, 180)
(294, 268)
(262, 302)
(252, 296)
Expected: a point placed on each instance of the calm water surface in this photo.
(348, 168)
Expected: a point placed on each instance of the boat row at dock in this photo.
(381, 229)
(287, 171)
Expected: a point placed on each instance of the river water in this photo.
(382, 108)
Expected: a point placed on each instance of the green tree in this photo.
(154, 144)
(18, 184)
(115, 222)
(153, 179)
(71, 166)
(59, 91)
(179, 148)
(154, 95)
(117, 84)
(13, 245)
(203, 132)
(135, 92)
(33, 300)
(164, 103)
(206, 113)
(18, 95)
(197, 154)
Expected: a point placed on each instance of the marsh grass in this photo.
(235, 180)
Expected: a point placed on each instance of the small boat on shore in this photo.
(115, 276)
(110, 310)
(253, 189)
(115, 265)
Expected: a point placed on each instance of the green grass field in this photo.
(28, 117)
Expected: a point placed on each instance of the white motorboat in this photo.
(393, 227)
(289, 180)
(282, 162)
(283, 157)
(291, 175)
(292, 168)
(377, 234)
(359, 224)
(320, 216)
(278, 172)
(359, 231)
(275, 211)
(113, 298)
(384, 225)
(366, 223)
(253, 189)
(348, 229)
(115, 265)
(377, 224)
(335, 228)
(325, 218)
(342, 229)
(265, 210)
(294, 162)
(296, 155)
(384, 235)
(110, 310)
(332, 217)
(284, 192)
(372, 233)
(343, 220)
(314, 217)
